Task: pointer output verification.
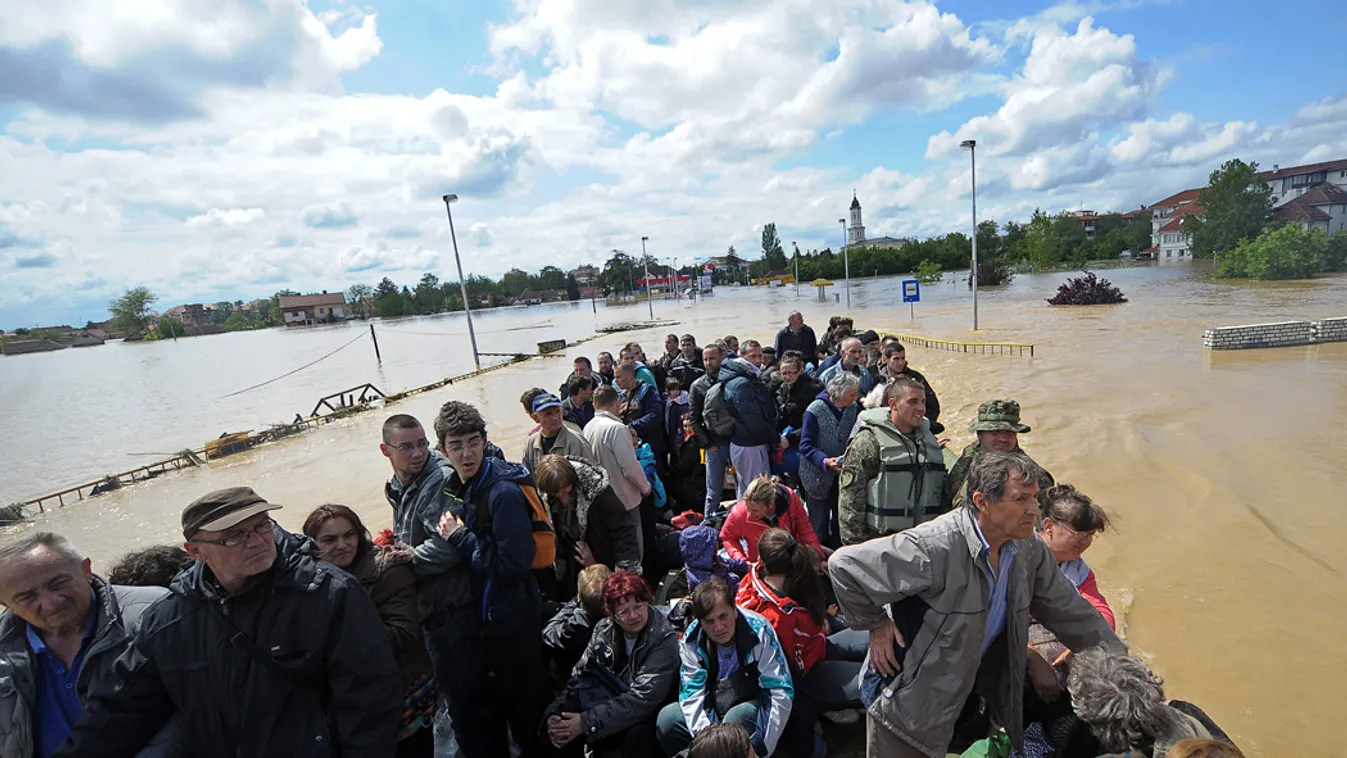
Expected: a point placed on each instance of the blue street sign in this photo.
(911, 291)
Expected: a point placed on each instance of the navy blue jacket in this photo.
(753, 405)
(805, 342)
(644, 412)
(497, 537)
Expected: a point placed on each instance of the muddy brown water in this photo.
(1224, 470)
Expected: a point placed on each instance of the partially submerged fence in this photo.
(998, 348)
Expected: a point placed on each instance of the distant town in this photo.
(1308, 198)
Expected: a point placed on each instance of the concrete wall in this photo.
(1280, 334)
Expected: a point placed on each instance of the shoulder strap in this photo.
(242, 641)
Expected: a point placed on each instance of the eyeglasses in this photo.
(1085, 537)
(635, 610)
(475, 443)
(263, 529)
(407, 447)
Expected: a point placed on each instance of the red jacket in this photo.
(1089, 590)
(740, 534)
(802, 638)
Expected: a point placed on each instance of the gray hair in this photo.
(842, 383)
(1121, 699)
(991, 471)
(49, 540)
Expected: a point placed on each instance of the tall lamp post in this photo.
(649, 300)
(796, 245)
(846, 259)
(449, 200)
(971, 145)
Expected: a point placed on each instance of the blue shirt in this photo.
(58, 707)
(999, 581)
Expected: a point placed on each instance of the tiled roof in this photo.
(1304, 208)
(1186, 196)
(1309, 168)
(309, 301)
(1176, 218)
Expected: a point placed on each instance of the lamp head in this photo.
(643, 239)
(450, 198)
(968, 144)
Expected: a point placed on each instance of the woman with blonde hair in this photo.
(767, 504)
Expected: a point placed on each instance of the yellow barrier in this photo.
(1000, 348)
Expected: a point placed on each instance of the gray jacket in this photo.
(941, 597)
(441, 573)
(119, 610)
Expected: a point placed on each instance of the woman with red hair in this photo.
(626, 674)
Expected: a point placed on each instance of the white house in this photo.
(1168, 242)
(313, 309)
(1322, 207)
(1289, 183)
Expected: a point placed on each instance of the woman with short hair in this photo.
(628, 670)
(591, 523)
(828, 422)
(346, 544)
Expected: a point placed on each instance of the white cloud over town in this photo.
(206, 148)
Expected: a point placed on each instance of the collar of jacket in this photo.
(880, 417)
(963, 516)
(744, 638)
(608, 415)
(105, 606)
(296, 567)
(765, 591)
(431, 475)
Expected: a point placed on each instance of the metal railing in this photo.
(998, 348)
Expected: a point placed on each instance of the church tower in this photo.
(856, 232)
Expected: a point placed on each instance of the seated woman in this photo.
(346, 544)
(628, 670)
(1123, 705)
(566, 634)
(591, 523)
(767, 504)
(786, 589)
(733, 672)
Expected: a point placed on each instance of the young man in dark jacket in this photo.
(642, 409)
(716, 448)
(262, 648)
(493, 530)
(754, 409)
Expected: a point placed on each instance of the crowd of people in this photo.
(596, 595)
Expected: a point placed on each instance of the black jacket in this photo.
(686, 370)
(340, 695)
(793, 399)
(566, 636)
(650, 674)
(696, 400)
(804, 342)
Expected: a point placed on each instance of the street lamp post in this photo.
(449, 200)
(649, 300)
(796, 245)
(846, 259)
(971, 146)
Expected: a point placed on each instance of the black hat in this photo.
(222, 509)
(869, 336)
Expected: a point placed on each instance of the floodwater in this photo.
(1223, 469)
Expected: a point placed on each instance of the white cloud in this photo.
(228, 218)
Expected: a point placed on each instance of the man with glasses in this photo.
(495, 650)
(262, 648)
(417, 495)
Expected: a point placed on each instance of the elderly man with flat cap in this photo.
(262, 648)
(998, 428)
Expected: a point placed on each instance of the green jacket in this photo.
(956, 483)
(890, 481)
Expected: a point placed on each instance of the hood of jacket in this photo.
(492, 472)
(736, 368)
(296, 566)
(590, 482)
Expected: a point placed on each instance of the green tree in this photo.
(1335, 252)
(928, 272)
(514, 282)
(1071, 238)
(1236, 205)
(572, 288)
(1041, 245)
(618, 272)
(772, 252)
(357, 296)
(169, 328)
(131, 311)
(1288, 252)
(551, 278)
(427, 294)
(236, 322)
(388, 300)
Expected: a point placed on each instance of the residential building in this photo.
(1168, 241)
(726, 263)
(1289, 183)
(585, 274)
(303, 310)
(191, 315)
(1323, 207)
(856, 232)
(529, 297)
(1089, 220)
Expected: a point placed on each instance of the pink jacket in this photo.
(740, 534)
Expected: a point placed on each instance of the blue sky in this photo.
(227, 150)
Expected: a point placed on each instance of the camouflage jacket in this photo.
(957, 480)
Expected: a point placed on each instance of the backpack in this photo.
(717, 414)
(544, 536)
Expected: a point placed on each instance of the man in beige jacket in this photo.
(611, 441)
(947, 605)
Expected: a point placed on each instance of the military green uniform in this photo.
(890, 481)
(993, 416)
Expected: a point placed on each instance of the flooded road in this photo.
(1223, 469)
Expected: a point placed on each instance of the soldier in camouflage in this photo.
(998, 428)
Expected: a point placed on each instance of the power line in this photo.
(358, 337)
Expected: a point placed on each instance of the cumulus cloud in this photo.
(41, 260)
(336, 216)
(229, 218)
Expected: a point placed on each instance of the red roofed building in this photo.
(1323, 207)
(1168, 242)
(1290, 183)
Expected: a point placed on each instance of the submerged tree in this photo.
(131, 311)
(1087, 290)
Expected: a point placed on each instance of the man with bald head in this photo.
(61, 632)
(796, 335)
(853, 361)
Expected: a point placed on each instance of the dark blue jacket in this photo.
(753, 405)
(645, 413)
(497, 537)
(805, 342)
